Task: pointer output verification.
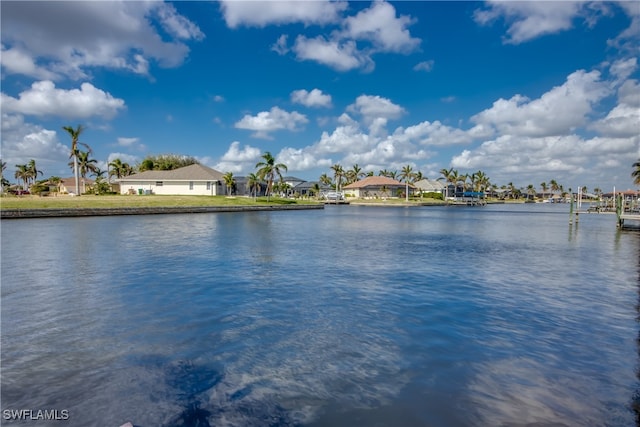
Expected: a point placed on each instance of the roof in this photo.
(71, 182)
(375, 181)
(429, 185)
(292, 178)
(195, 172)
(309, 184)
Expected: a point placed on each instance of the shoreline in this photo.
(148, 210)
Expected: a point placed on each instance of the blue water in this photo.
(347, 316)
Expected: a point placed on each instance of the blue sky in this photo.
(526, 92)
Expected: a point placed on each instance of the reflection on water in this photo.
(347, 316)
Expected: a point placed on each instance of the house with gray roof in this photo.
(376, 186)
(192, 180)
(430, 186)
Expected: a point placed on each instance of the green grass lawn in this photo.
(127, 201)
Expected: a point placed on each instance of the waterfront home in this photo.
(429, 186)
(196, 180)
(376, 186)
(68, 185)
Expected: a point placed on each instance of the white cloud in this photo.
(379, 25)
(263, 13)
(557, 112)
(16, 61)
(378, 30)
(315, 98)
(23, 141)
(340, 55)
(375, 107)
(218, 98)
(273, 120)
(424, 66)
(301, 159)
(432, 134)
(113, 34)
(238, 160)
(280, 46)
(529, 20)
(125, 158)
(43, 99)
(127, 142)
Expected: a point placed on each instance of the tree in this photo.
(354, 174)
(315, 188)
(325, 179)
(338, 173)
(407, 175)
(22, 173)
(5, 182)
(531, 191)
(636, 173)
(268, 169)
(229, 182)
(166, 162)
(543, 185)
(33, 170)
(84, 164)
(253, 182)
(119, 169)
(447, 175)
(75, 134)
(553, 185)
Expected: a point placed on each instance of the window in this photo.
(158, 183)
(190, 185)
(208, 185)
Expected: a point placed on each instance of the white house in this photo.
(194, 180)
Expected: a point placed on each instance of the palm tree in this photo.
(4, 181)
(116, 168)
(407, 175)
(33, 170)
(354, 174)
(22, 173)
(636, 173)
(448, 176)
(84, 165)
(269, 169)
(553, 185)
(316, 189)
(543, 185)
(325, 179)
(531, 191)
(338, 173)
(75, 134)
(254, 184)
(229, 182)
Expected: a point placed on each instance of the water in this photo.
(349, 316)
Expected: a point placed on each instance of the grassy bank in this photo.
(122, 201)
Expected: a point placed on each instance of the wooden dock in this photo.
(628, 218)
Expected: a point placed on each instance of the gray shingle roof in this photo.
(193, 172)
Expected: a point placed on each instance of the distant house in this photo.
(375, 186)
(68, 185)
(430, 186)
(306, 188)
(197, 180)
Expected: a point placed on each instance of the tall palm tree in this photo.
(338, 173)
(229, 182)
(116, 168)
(268, 169)
(254, 184)
(553, 185)
(75, 134)
(22, 173)
(448, 176)
(325, 179)
(543, 185)
(636, 173)
(354, 174)
(407, 175)
(33, 170)
(84, 165)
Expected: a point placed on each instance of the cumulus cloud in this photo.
(339, 55)
(272, 120)
(373, 108)
(43, 99)
(380, 26)
(377, 28)
(302, 159)
(237, 159)
(315, 98)
(263, 13)
(113, 34)
(529, 20)
(559, 111)
(22, 141)
(424, 66)
(127, 142)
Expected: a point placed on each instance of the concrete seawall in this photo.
(75, 212)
